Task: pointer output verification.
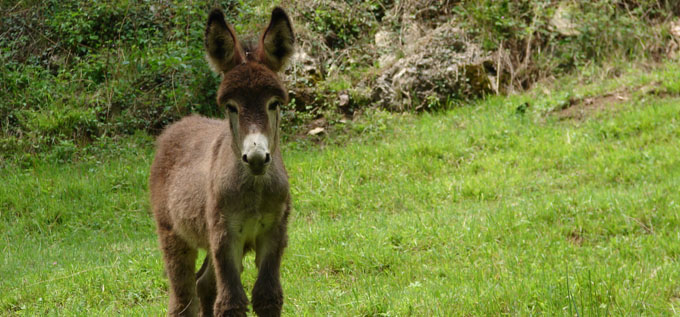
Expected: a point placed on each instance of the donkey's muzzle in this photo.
(257, 162)
(256, 154)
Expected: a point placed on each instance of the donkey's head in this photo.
(251, 90)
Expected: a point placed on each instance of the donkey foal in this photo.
(221, 185)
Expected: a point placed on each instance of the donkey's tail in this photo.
(204, 267)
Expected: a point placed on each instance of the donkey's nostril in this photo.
(245, 158)
(267, 158)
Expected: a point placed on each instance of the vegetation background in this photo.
(465, 157)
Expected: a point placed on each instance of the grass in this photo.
(493, 208)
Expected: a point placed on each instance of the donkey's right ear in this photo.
(222, 47)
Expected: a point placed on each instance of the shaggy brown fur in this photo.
(222, 186)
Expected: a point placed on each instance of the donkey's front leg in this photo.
(267, 292)
(231, 298)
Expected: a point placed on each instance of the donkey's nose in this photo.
(257, 161)
(256, 153)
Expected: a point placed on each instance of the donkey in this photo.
(221, 185)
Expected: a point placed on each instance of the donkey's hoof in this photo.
(224, 309)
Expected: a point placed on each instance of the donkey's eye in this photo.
(274, 105)
(232, 109)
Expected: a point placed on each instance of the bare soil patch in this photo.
(576, 238)
(581, 108)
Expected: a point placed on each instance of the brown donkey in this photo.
(221, 185)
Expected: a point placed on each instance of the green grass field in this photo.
(507, 206)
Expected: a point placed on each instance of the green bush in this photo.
(114, 68)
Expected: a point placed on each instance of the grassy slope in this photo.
(481, 210)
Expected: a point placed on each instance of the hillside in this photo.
(76, 73)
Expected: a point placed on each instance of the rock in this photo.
(343, 100)
(316, 131)
(303, 64)
(386, 43)
(386, 60)
(412, 36)
(675, 29)
(440, 64)
(385, 40)
(562, 20)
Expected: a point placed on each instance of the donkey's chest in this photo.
(253, 203)
(254, 200)
(253, 211)
(250, 228)
(251, 218)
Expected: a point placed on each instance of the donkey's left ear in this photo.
(278, 40)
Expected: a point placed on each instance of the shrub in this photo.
(72, 71)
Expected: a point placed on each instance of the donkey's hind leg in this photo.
(180, 261)
(206, 287)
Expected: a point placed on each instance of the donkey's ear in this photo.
(222, 47)
(277, 42)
